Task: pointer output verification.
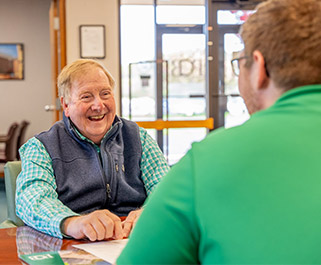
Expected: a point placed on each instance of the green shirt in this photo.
(245, 195)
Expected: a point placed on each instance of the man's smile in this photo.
(96, 117)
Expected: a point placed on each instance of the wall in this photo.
(95, 12)
(27, 22)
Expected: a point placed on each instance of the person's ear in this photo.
(64, 106)
(259, 75)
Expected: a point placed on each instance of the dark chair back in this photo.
(10, 141)
(21, 136)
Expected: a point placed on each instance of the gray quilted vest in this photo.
(86, 181)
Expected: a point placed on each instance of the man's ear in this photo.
(259, 76)
(64, 106)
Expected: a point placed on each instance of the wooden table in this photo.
(25, 240)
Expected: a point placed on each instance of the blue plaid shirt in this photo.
(37, 202)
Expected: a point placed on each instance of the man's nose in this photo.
(97, 104)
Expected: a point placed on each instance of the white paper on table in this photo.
(106, 250)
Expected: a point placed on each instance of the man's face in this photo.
(92, 105)
(246, 88)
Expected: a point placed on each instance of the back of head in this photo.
(287, 33)
(72, 71)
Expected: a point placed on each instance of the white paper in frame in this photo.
(92, 41)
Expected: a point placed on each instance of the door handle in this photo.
(53, 107)
(50, 108)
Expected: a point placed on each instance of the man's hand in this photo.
(98, 225)
(130, 221)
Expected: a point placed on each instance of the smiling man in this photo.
(91, 168)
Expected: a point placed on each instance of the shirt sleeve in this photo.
(153, 164)
(37, 202)
(167, 231)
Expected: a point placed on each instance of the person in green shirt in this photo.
(250, 194)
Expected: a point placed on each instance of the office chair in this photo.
(21, 136)
(11, 171)
(10, 141)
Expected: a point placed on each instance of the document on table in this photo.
(106, 250)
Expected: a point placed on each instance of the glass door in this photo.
(181, 42)
(231, 45)
(186, 98)
(226, 105)
(164, 72)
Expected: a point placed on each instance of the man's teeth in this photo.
(97, 117)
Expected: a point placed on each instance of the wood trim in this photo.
(53, 15)
(58, 47)
(62, 45)
(62, 22)
(161, 124)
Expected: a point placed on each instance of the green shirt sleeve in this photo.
(167, 231)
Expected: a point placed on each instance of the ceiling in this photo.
(162, 2)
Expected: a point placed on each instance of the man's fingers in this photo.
(131, 217)
(98, 225)
(112, 224)
(108, 225)
(100, 228)
(118, 230)
(128, 224)
(130, 221)
(127, 227)
(89, 232)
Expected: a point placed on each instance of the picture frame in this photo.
(92, 41)
(11, 61)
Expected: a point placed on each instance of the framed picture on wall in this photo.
(11, 61)
(92, 41)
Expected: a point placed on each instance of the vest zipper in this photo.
(108, 190)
